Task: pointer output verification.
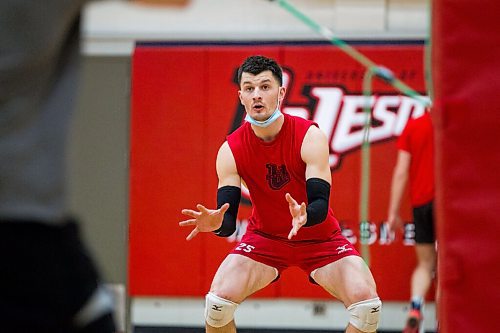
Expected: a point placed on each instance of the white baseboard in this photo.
(268, 313)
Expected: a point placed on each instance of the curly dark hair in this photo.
(258, 64)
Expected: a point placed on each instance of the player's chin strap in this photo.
(264, 123)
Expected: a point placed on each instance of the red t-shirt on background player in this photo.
(272, 169)
(418, 140)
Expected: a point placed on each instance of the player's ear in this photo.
(239, 95)
(282, 92)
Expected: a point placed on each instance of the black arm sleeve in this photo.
(232, 196)
(318, 195)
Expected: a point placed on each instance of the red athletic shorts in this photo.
(281, 254)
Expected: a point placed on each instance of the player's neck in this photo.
(268, 134)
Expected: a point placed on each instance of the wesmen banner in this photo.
(185, 102)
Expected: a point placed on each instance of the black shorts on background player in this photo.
(423, 218)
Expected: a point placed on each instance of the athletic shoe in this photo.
(413, 322)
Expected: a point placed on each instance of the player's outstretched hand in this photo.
(299, 215)
(204, 220)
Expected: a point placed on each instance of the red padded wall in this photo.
(466, 76)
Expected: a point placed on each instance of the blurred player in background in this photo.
(415, 164)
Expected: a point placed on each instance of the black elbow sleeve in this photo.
(232, 196)
(318, 196)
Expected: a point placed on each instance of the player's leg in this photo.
(349, 279)
(421, 281)
(423, 273)
(237, 278)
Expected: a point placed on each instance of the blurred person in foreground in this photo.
(415, 165)
(48, 282)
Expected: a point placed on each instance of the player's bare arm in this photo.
(315, 154)
(227, 172)
(208, 220)
(399, 180)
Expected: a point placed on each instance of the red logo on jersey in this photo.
(277, 176)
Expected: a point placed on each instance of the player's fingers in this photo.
(394, 226)
(192, 234)
(290, 199)
(224, 208)
(190, 212)
(187, 222)
(202, 208)
(303, 208)
(293, 232)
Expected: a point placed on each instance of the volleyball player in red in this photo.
(416, 163)
(283, 160)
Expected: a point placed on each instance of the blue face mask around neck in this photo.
(265, 123)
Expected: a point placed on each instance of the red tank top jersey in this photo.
(272, 169)
(418, 140)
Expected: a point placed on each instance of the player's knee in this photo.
(218, 311)
(365, 315)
